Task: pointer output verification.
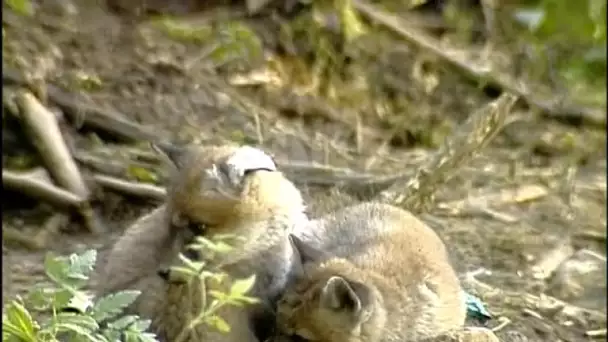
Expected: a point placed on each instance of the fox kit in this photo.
(370, 273)
(214, 190)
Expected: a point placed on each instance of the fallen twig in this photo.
(553, 107)
(458, 149)
(41, 124)
(46, 136)
(143, 190)
(41, 190)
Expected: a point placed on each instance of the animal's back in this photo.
(360, 228)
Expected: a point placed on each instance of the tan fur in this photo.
(261, 208)
(392, 274)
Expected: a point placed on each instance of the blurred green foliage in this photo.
(575, 31)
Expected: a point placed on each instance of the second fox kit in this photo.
(216, 190)
(370, 273)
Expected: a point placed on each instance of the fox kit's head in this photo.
(326, 301)
(234, 190)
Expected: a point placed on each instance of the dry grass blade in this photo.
(458, 149)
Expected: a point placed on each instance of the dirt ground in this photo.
(538, 189)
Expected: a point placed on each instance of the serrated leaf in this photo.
(147, 337)
(218, 323)
(242, 286)
(55, 268)
(111, 334)
(81, 265)
(113, 304)
(123, 322)
(85, 323)
(40, 298)
(140, 325)
(19, 322)
(130, 336)
(101, 338)
(61, 297)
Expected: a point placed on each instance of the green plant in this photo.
(102, 320)
(201, 272)
(69, 275)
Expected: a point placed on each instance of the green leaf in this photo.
(56, 268)
(247, 300)
(142, 174)
(82, 265)
(113, 304)
(85, 323)
(131, 336)
(18, 322)
(218, 323)
(23, 7)
(111, 334)
(81, 301)
(147, 337)
(123, 322)
(242, 286)
(41, 298)
(140, 325)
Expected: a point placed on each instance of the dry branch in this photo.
(39, 189)
(46, 136)
(42, 126)
(459, 148)
(143, 190)
(91, 116)
(552, 106)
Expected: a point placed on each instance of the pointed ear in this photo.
(304, 252)
(172, 153)
(339, 294)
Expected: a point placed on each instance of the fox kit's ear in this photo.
(246, 160)
(304, 252)
(339, 294)
(172, 153)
